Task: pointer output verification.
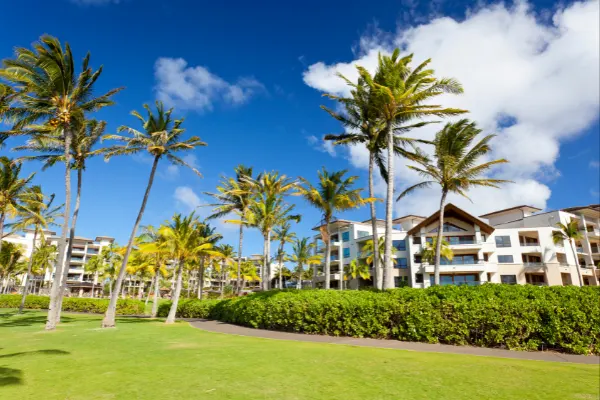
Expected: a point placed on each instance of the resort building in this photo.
(511, 246)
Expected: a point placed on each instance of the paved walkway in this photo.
(221, 327)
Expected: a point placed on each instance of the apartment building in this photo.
(511, 246)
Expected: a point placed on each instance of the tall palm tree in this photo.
(283, 234)
(149, 242)
(569, 232)
(38, 212)
(51, 93)
(161, 138)
(207, 231)
(403, 94)
(234, 196)
(225, 261)
(455, 169)
(356, 270)
(334, 193)
(13, 190)
(302, 254)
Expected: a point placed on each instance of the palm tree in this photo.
(569, 232)
(12, 263)
(402, 95)
(206, 231)
(226, 259)
(234, 196)
(372, 252)
(13, 190)
(455, 169)
(283, 234)
(429, 252)
(161, 137)
(51, 93)
(43, 259)
(356, 270)
(302, 254)
(109, 258)
(333, 193)
(36, 212)
(150, 243)
(282, 272)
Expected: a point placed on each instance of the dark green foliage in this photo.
(520, 317)
(88, 305)
(192, 308)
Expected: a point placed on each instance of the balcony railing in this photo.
(451, 263)
(474, 283)
(530, 244)
(533, 264)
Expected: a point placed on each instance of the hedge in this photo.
(89, 305)
(192, 308)
(519, 317)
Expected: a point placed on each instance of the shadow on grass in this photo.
(17, 320)
(10, 376)
(133, 320)
(49, 352)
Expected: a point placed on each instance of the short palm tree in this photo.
(234, 196)
(402, 95)
(356, 270)
(370, 252)
(303, 255)
(51, 93)
(226, 260)
(12, 263)
(109, 259)
(94, 266)
(44, 259)
(149, 242)
(248, 273)
(428, 253)
(455, 169)
(161, 138)
(334, 193)
(282, 273)
(569, 232)
(283, 234)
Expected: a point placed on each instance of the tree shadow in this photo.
(134, 320)
(45, 351)
(10, 376)
(31, 320)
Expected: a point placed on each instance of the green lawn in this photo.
(144, 359)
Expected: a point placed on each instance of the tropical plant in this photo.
(283, 234)
(401, 95)
(161, 138)
(51, 93)
(12, 263)
(225, 260)
(282, 273)
(569, 232)
(428, 253)
(207, 231)
(234, 197)
(302, 255)
(149, 243)
(44, 259)
(455, 169)
(109, 258)
(356, 270)
(370, 252)
(334, 193)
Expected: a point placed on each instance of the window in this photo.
(460, 260)
(502, 241)
(463, 279)
(346, 252)
(400, 281)
(418, 259)
(400, 245)
(486, 257)
(401, 263)
(363, 233)
(417, 240)
(450, 228)
(505, 259)
(418, 278)
(483, 237)
(345, 236)
(508, 279)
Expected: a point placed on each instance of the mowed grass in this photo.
(145, 359)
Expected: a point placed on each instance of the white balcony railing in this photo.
(534, 264)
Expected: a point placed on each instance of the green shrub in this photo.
(188, 308)
(89, 305)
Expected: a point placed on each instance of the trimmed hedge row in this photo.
(188, 308)
(520, 317)
(98, 306)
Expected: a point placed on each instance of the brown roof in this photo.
(452, 211)
(408, 216)
(595, 207)
(510, 209)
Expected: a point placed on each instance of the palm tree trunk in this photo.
(281, 265)
(576, 263)
(389, 211)
(2, 218)
(175, 299)
(377, 281)
(299, 284)
(148, 296)
(156, 292)
(438, 244)
(268, 261)
(26, 280)
(55, 293)
(239, 261)
(201, 278)
(327, 257)
(110, 283)
(109, 317)
(63, 284)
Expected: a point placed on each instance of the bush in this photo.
(89, 305)
(520, 317)
(192, 308)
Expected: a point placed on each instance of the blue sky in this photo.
(248, 81)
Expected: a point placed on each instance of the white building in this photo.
(512, 246)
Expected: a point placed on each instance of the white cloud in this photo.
(532, 84)
(186, 198)
(196, 88)
(324, 146)
(595, 164)
(172, 171)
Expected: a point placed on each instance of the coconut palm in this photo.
(334, 193)
(234, 196)
(370, 252)
(401, 95)
(455, 169)
(12, 263)
(109, 258)
(94, 266)
(283, 234)
(51, 93)
(13, 190)
(303, 255)
(282, 273)
(569, 232)
(207, 231)
(225, 261)
(429, 252)
(149, 242)
(161, 138)
(356, 270)
(44, 259)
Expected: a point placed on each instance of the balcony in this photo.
(470, 266)
(534, 264)
(580, 250)
(591, 232)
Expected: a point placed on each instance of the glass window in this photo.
(508, 279)
(505, 259)
(417, 240)
(363, 233)
(346, 252)
(418, 259)
(345, 236)
(502, 241)
(400, 281)
(418, 278)
(400, 245)
(401, 263)
(450, 228)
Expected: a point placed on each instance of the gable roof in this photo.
(450, 210)
(523, 207)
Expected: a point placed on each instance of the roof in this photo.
(591, 207)
(368, 221)
(452, 211)
(336, 222)
(531, 208)
(409, 216)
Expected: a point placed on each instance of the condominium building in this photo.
(511, 246)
